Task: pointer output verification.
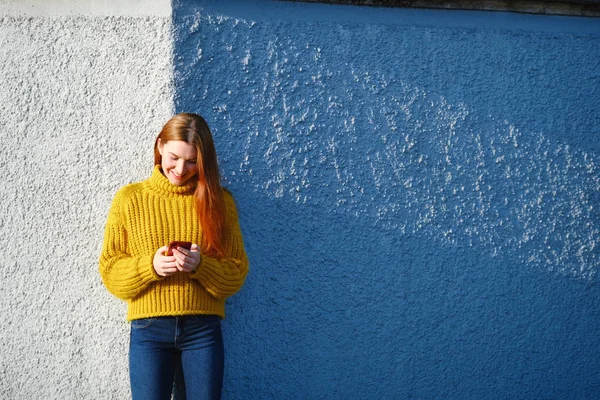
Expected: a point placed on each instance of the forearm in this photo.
(126, 277)
(222, 277)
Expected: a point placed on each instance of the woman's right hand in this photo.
(164, 265)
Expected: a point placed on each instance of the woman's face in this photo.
(178, 161)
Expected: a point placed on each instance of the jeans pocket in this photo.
(141, 323)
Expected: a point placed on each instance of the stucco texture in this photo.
(419, 193)
(81, 100)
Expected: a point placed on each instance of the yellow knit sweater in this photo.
(147, 215)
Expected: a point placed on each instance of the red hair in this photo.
(210, 206)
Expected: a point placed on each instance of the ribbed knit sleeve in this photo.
(125, 276)
(222, 277)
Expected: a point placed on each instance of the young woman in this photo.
(175, 302)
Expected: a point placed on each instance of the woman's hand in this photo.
(164, 265)
(187, 260)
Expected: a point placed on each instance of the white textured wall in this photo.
(83, 93)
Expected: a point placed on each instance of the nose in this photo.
(180, 167)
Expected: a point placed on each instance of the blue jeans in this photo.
(156, 344)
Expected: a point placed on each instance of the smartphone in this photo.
(174, 245)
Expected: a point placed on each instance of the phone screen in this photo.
(174, 245)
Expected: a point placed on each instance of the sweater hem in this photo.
(175, 314)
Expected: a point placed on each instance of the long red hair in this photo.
(210, 206)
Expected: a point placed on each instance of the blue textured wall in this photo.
(419, 193)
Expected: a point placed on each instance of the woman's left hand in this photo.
(187, 260)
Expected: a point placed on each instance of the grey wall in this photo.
(83, 92)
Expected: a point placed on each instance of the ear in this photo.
(160, 146)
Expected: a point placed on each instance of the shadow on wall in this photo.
(402, 243)
(335, 306)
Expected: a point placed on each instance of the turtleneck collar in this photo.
(159, 183)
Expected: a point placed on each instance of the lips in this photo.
(176, 177)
